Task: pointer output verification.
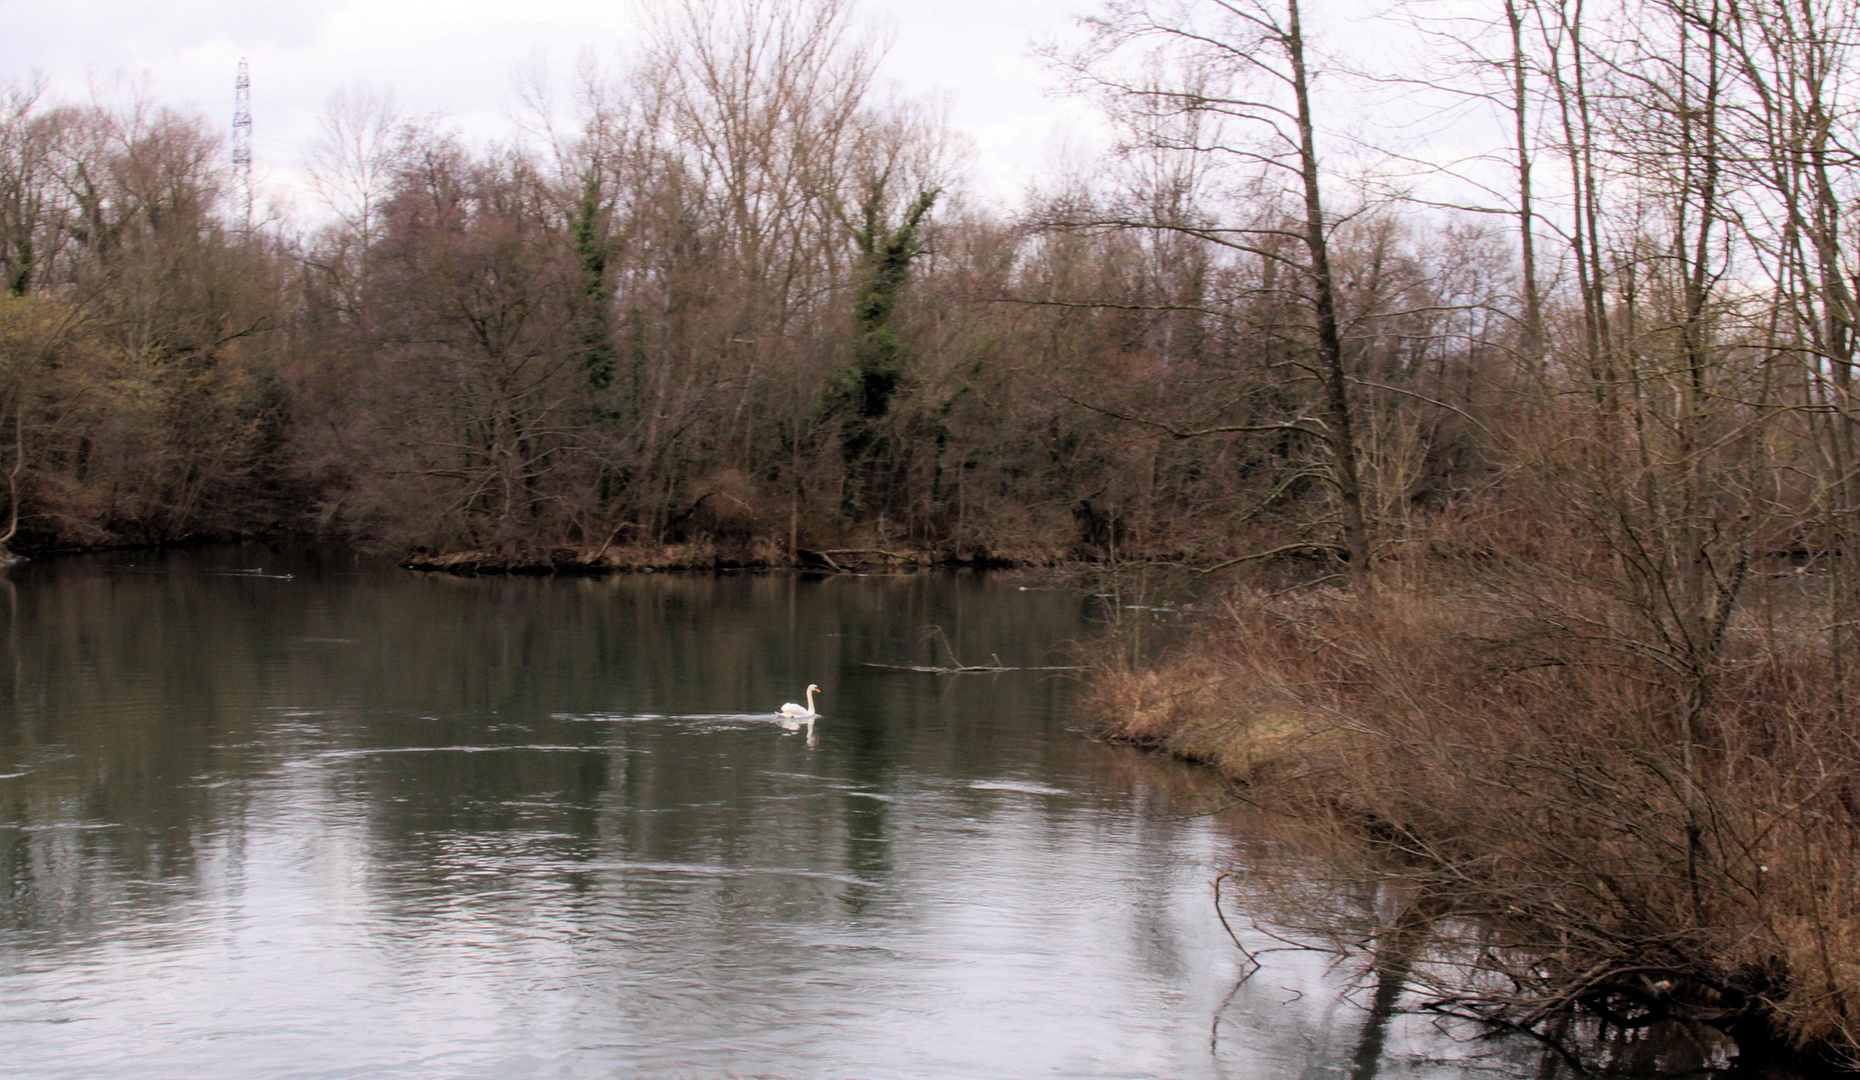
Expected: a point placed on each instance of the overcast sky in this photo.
(459, 57)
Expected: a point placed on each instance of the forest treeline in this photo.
(1508, 386)
(742, 304)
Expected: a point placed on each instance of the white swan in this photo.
(791, 711)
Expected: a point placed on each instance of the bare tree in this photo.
(1233, 80)
(351, 169)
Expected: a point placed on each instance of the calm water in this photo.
(263, 815)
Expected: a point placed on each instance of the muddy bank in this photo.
(709, 556)
(700, 555)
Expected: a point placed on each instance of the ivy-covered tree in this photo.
(862, 394)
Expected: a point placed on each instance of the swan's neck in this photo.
(810, 701)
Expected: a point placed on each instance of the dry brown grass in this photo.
(1529, 777)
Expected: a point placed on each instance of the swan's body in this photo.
(791, 711)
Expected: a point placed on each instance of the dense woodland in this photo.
(1531, 463)
(741, 302)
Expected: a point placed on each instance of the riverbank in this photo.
(696, 556)
(704, 555)
(1577, 830)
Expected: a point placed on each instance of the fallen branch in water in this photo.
(826, 556)
(901, 556)
(968, 669)
(957, 667)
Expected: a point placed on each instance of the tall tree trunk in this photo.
(1341, 431)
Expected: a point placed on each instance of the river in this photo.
(272, 813)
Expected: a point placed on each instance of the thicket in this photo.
(1528, 472)
(1587, 709)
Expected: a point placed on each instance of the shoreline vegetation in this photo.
(1521, 481)
(698, 556)
(1542, 836)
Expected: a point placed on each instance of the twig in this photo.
(1225, 925)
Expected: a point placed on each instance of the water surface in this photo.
(270, 814)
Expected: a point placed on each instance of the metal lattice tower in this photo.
(242, 142)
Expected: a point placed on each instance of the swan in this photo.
(791, 711)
